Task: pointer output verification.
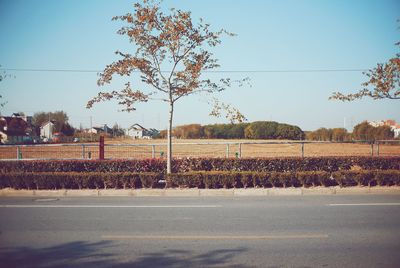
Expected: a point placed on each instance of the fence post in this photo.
(101, 148)
(377, 148)
(153, 151)
(372, 149)
(302, 150)
(240, 150)
(19, 154)
(227, 150)
(83, 151)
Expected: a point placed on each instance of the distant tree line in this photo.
(363, 131)
(255, 130)
(329, 134)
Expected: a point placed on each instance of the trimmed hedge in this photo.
(208, 180)
(291, 164)
(78, 180)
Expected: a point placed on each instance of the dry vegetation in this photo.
(121, 149)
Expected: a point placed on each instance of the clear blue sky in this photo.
(271, 35)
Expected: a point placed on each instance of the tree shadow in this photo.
(186, 258)
(74, 254)
(102, 254)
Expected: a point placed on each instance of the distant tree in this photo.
(192, 131)
(383, 133)
(285, 131)
(383, 82)
(162, 134)
(67, 129)
(339, 134)
(236, 131)
(163, 42)
(117, 131)
(59, 118)
(209, 131)
(364, 131)
(261, 130)
(321, 134)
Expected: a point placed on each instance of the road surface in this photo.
(285, 231)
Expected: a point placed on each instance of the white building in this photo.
(136, 131)
(47, 130)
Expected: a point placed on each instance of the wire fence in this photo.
(201, 150)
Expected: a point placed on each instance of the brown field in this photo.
(126, 149)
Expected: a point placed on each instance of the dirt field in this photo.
(123, 149)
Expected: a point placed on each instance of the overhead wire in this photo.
(209, 71)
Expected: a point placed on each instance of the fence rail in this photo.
(221, 149)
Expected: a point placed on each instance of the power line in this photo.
(215, 71)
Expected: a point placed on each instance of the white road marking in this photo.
(213, 237)
(365, 204)
(108, 206)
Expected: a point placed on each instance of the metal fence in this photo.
(201, 149)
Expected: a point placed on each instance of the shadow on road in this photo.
(97, 254)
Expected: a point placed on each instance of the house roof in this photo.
(137, 127)
(46, 123)
(102, 128)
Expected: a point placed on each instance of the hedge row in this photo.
(284, 179)
(78, 180)
(292, 164)
(213, 179)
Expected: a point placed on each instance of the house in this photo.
(14, 129)
(47, 130)
(101, 129)
(136, 131)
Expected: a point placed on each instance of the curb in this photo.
(393, 190)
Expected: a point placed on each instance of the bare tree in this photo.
(164, 42)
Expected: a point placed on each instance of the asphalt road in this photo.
(298, 231)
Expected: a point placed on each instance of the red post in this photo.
(101, 148)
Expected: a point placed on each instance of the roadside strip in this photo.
(194, 192)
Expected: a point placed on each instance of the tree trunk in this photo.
(169, 137)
